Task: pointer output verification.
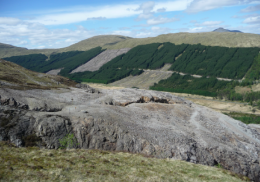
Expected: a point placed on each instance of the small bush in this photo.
(68, 141)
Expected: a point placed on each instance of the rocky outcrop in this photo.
(101, 59)
(152, 123)
(87, 88)
(12, 102)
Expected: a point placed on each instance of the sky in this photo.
(60, 23)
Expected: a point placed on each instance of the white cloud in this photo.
(161, 30)
(146, 9)
(209, 23)
(33, 35)
(195, 29)
(161, 10)
(40, 47)
(143, 32)
(160, 20)
(117, 11)
(122, 32)
(124, 28)
(251, 9)
(97, 18)
(252, 20)
(9, 21)
(193, 21)
(177, 5)
(205, 5)
(75, 15)
(206, 26)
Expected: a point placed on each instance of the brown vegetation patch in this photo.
(32, 164)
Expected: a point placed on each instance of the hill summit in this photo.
(226, 30)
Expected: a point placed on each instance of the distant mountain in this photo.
(226, 30)
(113, 42)
(8, 46)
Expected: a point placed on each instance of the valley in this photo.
(130, 91)
(193, 69)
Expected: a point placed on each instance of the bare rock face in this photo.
(87, 88)
(12, 102)
(135, 120)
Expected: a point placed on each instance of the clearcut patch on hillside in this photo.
(101, 59)
(145, 80)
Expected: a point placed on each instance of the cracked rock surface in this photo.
(141, 121)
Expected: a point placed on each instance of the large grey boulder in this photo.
(135, 120)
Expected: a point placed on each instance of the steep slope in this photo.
(101, 40)
(101, 59)
(145, 80)
(15, 76)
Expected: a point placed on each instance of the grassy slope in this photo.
(26, 79)
(226, 39)
(245, 118)
(8, 50)
(95, 41)
(33, 164)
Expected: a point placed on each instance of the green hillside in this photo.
(193, 59)
(208, 61)
(67, 60)
(84, 45)
(17, 77)
(188, 84)
(223, 39)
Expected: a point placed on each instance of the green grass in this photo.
(188, 84)
(225, 39)
(34, 164)
(245, 118)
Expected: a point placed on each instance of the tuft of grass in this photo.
(34, 164)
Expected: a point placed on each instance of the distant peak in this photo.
(220, 29)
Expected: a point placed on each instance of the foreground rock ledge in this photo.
(134, 120)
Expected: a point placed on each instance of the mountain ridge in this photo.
(224, 39)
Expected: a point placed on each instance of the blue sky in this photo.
(56, 24)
